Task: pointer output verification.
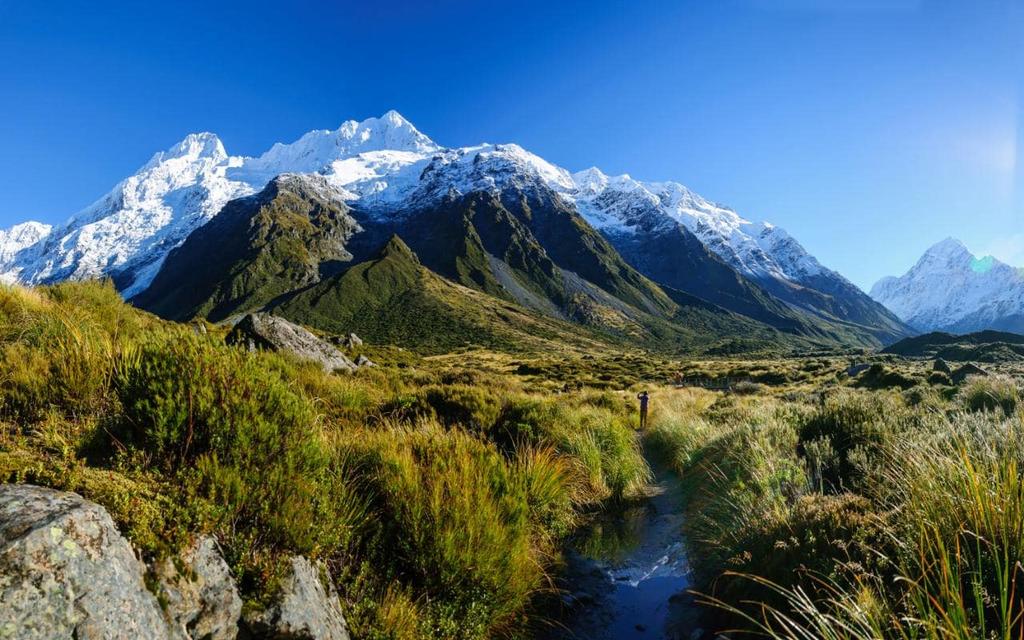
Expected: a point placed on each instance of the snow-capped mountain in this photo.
(620, 204)
(17, 239)
(385, 167)
(766, 254)
(950, 289)
(126, 233)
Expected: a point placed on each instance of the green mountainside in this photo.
(515, 271)
(256, 249)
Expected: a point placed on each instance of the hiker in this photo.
(643, 397)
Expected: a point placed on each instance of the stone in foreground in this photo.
(303, 610)
(201, 598)
(265, 331)
(66, 572)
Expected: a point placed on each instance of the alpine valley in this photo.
(375, 228)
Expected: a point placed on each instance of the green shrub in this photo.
(746, 388)
(879, 376)
(239, 437)
(940, 379)
(853, 420)
(819, 537)
(602, 443)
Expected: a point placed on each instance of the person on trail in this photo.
(643, 397)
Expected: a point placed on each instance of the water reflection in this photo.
(627, 572)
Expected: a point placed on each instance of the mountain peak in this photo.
(194, 147)
(949, 253)
(397, 248)
(392, 132)
(950, 289)
(947, 246)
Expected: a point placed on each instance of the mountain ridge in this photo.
(387, 169)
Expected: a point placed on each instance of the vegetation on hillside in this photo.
(983, 346)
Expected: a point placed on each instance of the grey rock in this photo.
(967, 371)
(303, 610)
(363, 361)
(200, 595)
(66, 572)
(264, 331)
(353, 341)
(941, 366)
(857, 369)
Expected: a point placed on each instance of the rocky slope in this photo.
(653, 218)
(949, 289)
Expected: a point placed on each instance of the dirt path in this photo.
(628, 573)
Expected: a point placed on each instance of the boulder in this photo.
(66, 572)
(363, 361)
(302, 610)
(857, 369)
(941, 366)
(967, 371)
(200, 597)
(264, 331)
(353, 341)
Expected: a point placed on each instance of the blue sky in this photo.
(869, 129)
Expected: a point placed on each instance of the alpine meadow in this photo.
(367, 386)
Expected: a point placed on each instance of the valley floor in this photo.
(480, 494)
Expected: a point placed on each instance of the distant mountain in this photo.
(951, 290)
(642, 217)
(494, 217)
(981, 346)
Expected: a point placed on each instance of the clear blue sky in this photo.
(868, 128)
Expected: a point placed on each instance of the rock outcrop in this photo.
(303, 610)
(857, 369)
(66, 572)
(265, 331)
(966, 371)
(200, 597)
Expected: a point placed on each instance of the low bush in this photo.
(879, 376)
(852, 421)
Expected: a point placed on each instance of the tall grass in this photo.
(438, 498)
(455, 522)
(932, 549)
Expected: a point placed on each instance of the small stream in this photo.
(627, 572)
